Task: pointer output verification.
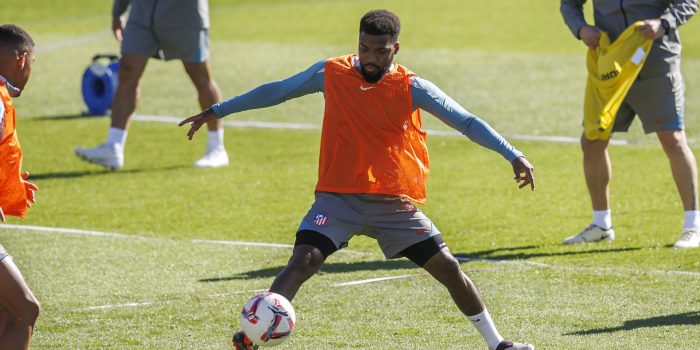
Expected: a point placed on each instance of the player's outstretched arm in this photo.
(198, 120)
(524, 172)
(2, 216)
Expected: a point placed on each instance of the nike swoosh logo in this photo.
(365, 88)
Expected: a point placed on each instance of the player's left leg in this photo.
(208, 94)
(198, 69)
(437, 260)
(685, 174)
(19, 305)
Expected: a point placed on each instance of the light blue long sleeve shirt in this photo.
(425, 95)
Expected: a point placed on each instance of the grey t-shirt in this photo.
(614, 16)
(165, 14)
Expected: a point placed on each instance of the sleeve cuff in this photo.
(515, 154)
(217, 110)
(672, 24)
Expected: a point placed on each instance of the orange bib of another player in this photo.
(13, 197)
(371, 140)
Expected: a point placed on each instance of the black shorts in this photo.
(419, 252)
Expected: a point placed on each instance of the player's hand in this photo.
(524, 172)
(118, 27)
(589, 35)
(2, 216)
(651, 29)
(30, 189)
(198, 120)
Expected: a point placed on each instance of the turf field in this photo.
(166, 281)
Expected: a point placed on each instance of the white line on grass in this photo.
(62, 230)
(288, 246)
(75, 41)
(149, 303)
(372, 280)
(311, 126)
(496, 261)
(262, 244)
(105, 307)
(243, 243)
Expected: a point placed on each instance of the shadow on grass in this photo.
(326, 268)
(98, 172)
(491, 254)
(685, 319)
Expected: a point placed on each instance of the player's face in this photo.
(376, 54)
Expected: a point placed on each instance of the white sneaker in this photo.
(107, 155)
(509, 345)
(592, 233)
(213, 158)
(690, 238)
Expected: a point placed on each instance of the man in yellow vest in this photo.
(656, 96)
(17, 302)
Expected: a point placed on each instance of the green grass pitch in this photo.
(513, 63)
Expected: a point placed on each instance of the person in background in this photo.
(168, 29)
(656, 97)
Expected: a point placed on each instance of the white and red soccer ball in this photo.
(268, 319)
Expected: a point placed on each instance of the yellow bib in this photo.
(612, 68)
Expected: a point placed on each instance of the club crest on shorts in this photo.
(320, 219)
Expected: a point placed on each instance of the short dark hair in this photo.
(13, 37)
(381, 22)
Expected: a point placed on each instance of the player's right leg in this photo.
(111, 153)
(208, 94)
(19, 305)
(597, 171)
(310, 251)
(139, 44)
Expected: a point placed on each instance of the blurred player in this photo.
(169, 29)
(17, 302)
(374, 165)
(656, 97)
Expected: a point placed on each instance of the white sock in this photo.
(116, 136)
(484, 324)
(215, 139)
(602, 218)
(692, 219)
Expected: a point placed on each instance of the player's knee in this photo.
(27, 313)
(444, 267)
(592, 147)
(33, 311)
(672, 141)
(129, 76)
(306, 263)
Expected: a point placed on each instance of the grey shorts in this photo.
(393, 221)
(3, 253)
(189, 45)
(657, 100)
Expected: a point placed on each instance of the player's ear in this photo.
(396, 47)
(22, 60)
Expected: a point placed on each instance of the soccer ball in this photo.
(268, 319)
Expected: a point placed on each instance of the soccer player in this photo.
(168, 29)
(374, 164)
(17, 302)
(656, 97)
